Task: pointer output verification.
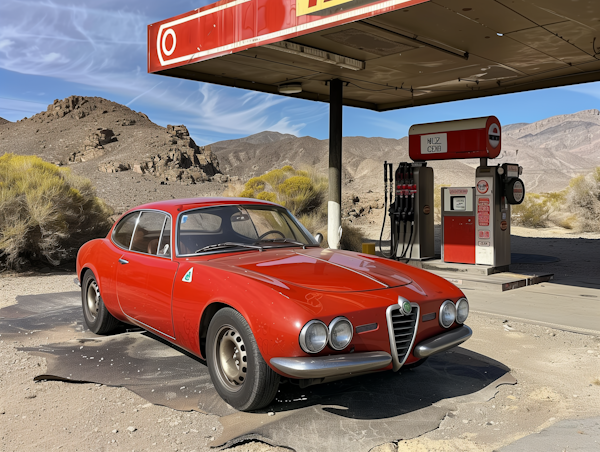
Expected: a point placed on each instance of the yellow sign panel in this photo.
(310, 6)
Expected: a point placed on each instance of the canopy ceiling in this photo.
(391, 54)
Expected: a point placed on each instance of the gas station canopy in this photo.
(389, 54)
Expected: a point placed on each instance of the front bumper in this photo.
(355, 363)
(330, 366)
(442, 342)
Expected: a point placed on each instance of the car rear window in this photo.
(122, 233)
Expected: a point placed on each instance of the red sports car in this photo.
(241, 283)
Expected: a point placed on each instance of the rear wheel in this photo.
(95, 314)
(237, 369)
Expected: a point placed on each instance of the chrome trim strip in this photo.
(328, 366)
(392, 337)
(147, 327)
(160, 237)
(346, 268)
(443, 342)
(137, 221)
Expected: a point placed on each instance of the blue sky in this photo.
(52, 49)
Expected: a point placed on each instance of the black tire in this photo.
(237, 369)
(96, 316)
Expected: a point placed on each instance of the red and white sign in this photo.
(458, 191)
(512, 170)
(484, 234)
(518, 190)
(494, 135)
(483, 219)
(231, 26)
(482, 187)
(462, 139)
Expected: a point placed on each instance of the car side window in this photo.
(164, 245)
(147, 233)
(124, 230)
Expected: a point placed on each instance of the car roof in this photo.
(174, 206)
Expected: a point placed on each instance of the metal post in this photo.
(334, 206)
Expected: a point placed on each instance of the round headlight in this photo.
(447, 314)
(340, 333)
(314, 336)
(462, 310)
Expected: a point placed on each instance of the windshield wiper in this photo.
(227, 245)
(293, 242)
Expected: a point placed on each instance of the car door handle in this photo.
(123, 261)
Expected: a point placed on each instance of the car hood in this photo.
(315, 269)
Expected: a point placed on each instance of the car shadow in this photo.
(383, 406)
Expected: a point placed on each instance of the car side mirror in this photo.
(319, 238)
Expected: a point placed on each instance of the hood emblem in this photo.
(405, 306)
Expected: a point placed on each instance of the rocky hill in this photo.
(131, 160)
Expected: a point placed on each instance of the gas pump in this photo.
(475, 220)
(496, 189)
(410, 192)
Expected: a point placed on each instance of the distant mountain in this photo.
(124, 153)
(551, 151)
(265, 137)
(577, 133)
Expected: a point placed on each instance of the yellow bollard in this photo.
(368, 248)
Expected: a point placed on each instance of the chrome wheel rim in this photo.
(93, 300)
(231, 358)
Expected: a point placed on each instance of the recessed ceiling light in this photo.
(290, 88)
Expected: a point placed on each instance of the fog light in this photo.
(447, 314)
(313, 336)
(462, 310)
(340, 333)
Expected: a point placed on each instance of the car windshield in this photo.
(239, 227)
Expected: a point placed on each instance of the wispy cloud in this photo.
(15, 107)
(589, 89)
(104, 47)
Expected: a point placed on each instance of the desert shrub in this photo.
(533, 212)
(300, 191)
(583, 200)
(267, 196)
(304, 194)
(46, 212)
(352, 237)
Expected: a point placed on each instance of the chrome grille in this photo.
(402, 330)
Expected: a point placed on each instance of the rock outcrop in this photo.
(93, 146)
(183, 162)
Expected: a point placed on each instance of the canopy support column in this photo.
(334, 206)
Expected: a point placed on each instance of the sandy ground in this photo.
(558, 376)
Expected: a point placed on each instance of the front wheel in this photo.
(95, 314)
(237, 369)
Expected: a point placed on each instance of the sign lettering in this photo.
(304, 7)
(434, 144)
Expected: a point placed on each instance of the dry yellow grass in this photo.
(46, 212)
